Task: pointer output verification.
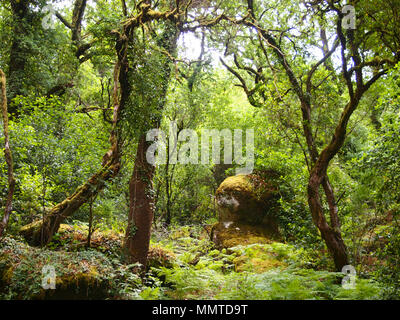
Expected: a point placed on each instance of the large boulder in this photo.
(247, 207)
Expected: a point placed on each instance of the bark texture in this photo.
(141, 207)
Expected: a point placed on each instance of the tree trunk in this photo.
(331, 235)
(141, 198)
(20, 51)
(167, 188)
(141, 207)
(8, 156)
(90, 231)
(333, 208)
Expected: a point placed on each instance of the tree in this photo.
(8, 155)
(361, 65)
(122, 105)
(141, 208)
(141, 204)
(19, 53)
(33, 54)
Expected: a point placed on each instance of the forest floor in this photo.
(183, 264)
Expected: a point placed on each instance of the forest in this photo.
(200, 150)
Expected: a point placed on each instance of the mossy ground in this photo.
(183, 264)
(258, 259)
(256, 271)
(79, 274)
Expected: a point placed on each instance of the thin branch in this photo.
(238, 76)
(63, 20)
(318, 64)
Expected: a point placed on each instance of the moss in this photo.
(65, 228)
(32, 226)
(240, 183)
(30, 232)
(78, 286)
(256, 265)
(86, 274)
(88, 279)
(240, 234)
(7, 275)
(250, 188)
(160, 257)
(244, 240)
(180, 233)
(79, 275)
(248, 200)
(73, 238)
(258, 259)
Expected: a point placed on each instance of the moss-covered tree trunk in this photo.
(69, 206)
(141, 208)
(42, 233)
(7, 154)
(20, 50)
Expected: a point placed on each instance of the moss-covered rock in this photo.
(79, 275)
(247, 207)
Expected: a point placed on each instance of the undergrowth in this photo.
(184, 265)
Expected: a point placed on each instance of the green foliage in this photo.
(44, 55)
(389, 273)
(198, 271)
(86, 274)
(375, 172)
(58, 142)
(380, 165)
(212, 278)
(148, 80)
(55, 150)
(294, 284)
